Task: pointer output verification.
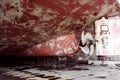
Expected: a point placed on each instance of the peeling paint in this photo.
(65, 50)
(52, 44)
(66, 22)
(38, 46)
(104, 9)
(26, 23)
(59, 45)
(59, 52)
(61, 38)
(37, 11)
(83, 1)
(74, 10)
(47, 17)
(54, 47)
(70, 50)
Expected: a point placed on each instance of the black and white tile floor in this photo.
(83, 72)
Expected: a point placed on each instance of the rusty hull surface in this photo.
(26, 23)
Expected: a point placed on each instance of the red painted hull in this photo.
(61, 46)
(27, 23)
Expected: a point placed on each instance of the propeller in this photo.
(87, 43)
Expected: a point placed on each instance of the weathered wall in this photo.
(108, 36)
(25, 23)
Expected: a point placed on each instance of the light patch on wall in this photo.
(52, 11)
(37, 11)
(58, 45)
(37, 28)
(39, 45)
(58, 52)
(65, 2)
(3, 2)
(51, 44)
(66, 22)
(77, 21)
(47, 17)
(83, 1)
(11, 15)
(86, 12)
(61, 38)
(73, 43)
(75, 9)
(44, 34)
(31, 22)
(65, 50)
(92, 2)
(104, 9)
(70, 50)
(16, 3)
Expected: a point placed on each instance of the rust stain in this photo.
(26, 23)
